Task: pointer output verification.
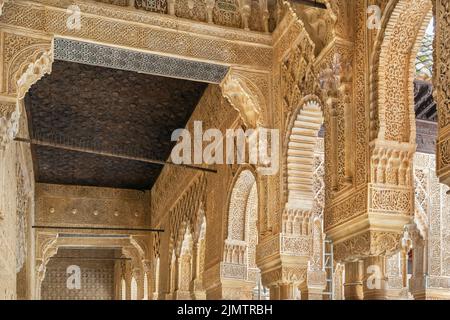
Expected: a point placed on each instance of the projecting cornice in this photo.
(127, 27)
(142, 62)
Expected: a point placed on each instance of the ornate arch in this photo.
(300, 140)
(392, 102)
(237, 204)
(26, 59)
(184, 212)
(239, 256)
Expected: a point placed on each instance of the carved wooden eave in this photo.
(127, 27)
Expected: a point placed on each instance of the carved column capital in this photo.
(147, 266)
(381, 209)
(9, 121)
(287, 274)
(209, 9)
(330, 80)
(245, 9)
(369, 243)
(283, 258)
(25, 60)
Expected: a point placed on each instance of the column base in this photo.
(231, 290)
(182, 295)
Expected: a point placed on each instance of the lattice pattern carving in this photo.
(431, 216)
(21, 220)
(441, 80)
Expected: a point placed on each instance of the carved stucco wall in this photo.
(170, 211)
(433, 214)
(432, 210)
(137, 29)
(219, 113)
(97, 276)
(77, 205)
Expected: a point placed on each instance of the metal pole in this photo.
(108, 154)
(98, 228)
(90, 258)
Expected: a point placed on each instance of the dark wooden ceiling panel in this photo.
(119, 111)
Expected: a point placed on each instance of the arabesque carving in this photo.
(339, 92)
(441, 77)
(246, 98)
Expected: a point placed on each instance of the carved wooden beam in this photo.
(108, 154)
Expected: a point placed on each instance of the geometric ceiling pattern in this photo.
(109, 110)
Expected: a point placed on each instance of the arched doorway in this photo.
(303, 214)
(185, 267)
(239, 270)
